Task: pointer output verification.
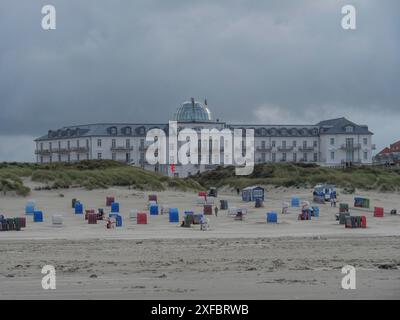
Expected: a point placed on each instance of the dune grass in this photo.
(95, 174)
(305, 175)
(92, 174)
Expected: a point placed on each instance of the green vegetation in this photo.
(92, 174)
(96, 174)
(11, 182)
(305, 175)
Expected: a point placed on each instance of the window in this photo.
(284, 156)
(315, 157)
(294, 157)
(283, 144)
(273, 143)
(294, 144)
(263, 157)
(113, 143)
(305, 144)
(365, 155)
(263, 145)
(273, 157)
(77, 157)
(114, 156)
(332, 155)
(41, 146)
(99, 142)
(99, 156)
(332, 141)
(365, 141)
(305, 157)
(128, 143)
(41, 159)
(349, 129)
(315, 143)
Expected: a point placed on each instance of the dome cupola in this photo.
(193, 111)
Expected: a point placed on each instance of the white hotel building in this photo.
(328, 143)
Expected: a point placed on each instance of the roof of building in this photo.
(339, 125)
(394, 148)
(252, 187)
(102, 129)
(192, 111)
(384, 151)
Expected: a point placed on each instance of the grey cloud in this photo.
(137, 60)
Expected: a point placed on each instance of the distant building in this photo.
(389, 155)
(330, 143)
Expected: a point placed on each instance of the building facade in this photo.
(389, 155)
(329, 143)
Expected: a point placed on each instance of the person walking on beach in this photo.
(216, 211)
(332, 198)
(238, 191)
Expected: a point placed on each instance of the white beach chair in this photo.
(200, 201)
(210, 200)
(57, 220)
(164, 209)
(133, 215)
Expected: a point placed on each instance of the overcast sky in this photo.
(260, 61)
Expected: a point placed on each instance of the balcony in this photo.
(121, 148)
(306, 148)
(80, 149)
(350, 146)
(43, 152)
(60, 150)
(285, 149)
(263, 148)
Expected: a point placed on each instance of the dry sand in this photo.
(234, 260)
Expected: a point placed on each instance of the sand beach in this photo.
(247, 259)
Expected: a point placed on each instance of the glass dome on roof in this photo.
(192, 112)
